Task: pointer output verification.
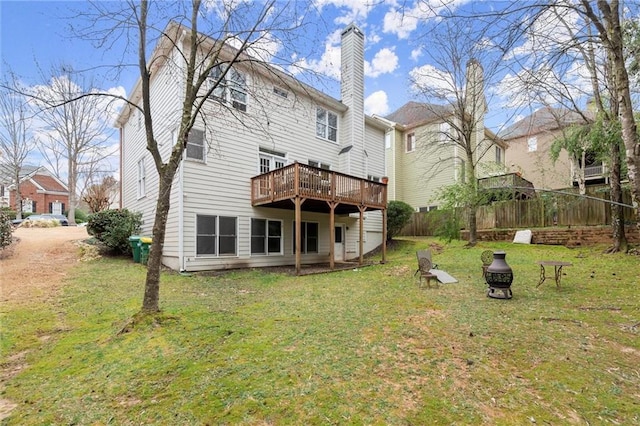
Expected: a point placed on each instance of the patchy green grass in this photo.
(365, 346)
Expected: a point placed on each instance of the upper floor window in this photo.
(326, 124)
(498, 155)
(232, 88)
(280, 92)
(195, 145)
(444, 133)
(532, 144)
(411, 142)
(142, 179)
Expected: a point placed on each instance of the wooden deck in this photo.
(319, 187)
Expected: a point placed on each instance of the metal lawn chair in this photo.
(424, 266)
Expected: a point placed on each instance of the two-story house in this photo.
(530, 140)
(40, 190)
(424, 153)
(275, 172)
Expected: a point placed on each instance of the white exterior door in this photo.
(339, 244)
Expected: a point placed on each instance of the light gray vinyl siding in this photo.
(164, 91)
(221, 185)
(422, 173)
(374, 146)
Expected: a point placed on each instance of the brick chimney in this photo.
(352, 93)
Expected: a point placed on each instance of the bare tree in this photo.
(454, 86)
(606, 20)
(99, 196)
(16, 139)
(567, 63)
(235, 32)
(76, 128)
(571, 51)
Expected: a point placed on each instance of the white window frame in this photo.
(232, 89)
(267, 238)
(324, 126)
(191, 142)
(280, 92)
(387, 140)
(27, 205)
(410, 142)
(271, 159)
(498, 155)
(142, 179)
(444, 133)
(532, 144)
(217, 236)
(304, 239)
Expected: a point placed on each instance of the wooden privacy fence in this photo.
(555, 210)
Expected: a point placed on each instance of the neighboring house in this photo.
(422, 158)
(270, 156)
(529, 154)
(40, 190)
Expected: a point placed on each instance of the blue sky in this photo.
(34, 36)
(399, 44)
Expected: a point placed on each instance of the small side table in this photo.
(557, 265)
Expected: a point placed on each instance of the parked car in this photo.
(47, 216)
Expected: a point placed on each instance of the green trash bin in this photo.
(145, 248)
(134, 241)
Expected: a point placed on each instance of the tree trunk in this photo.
(18, 196)
(473, 226)
(612, 37)
(582, 185)
(73, 175)
(617, 212)
(151, 300)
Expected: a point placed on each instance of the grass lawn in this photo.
(364, 346)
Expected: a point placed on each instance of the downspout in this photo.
(181, 218)
(121, 166)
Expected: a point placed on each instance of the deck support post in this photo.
(361, 242)
(297, 201)
(332, 234)
(384, 236)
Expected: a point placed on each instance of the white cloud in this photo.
(416, 54)
(354, 10)
(428, 78)
(373, 38)
(402, 20)
(548, 32)
(264, 48)
(328, 64)
(399, 23)
(384, 62)
(376, 103)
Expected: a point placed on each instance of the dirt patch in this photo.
(33, 269)
(35, 266)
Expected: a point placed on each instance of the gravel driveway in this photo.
(38, 262)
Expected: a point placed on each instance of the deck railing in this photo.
(311, 182)
(594, 171)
